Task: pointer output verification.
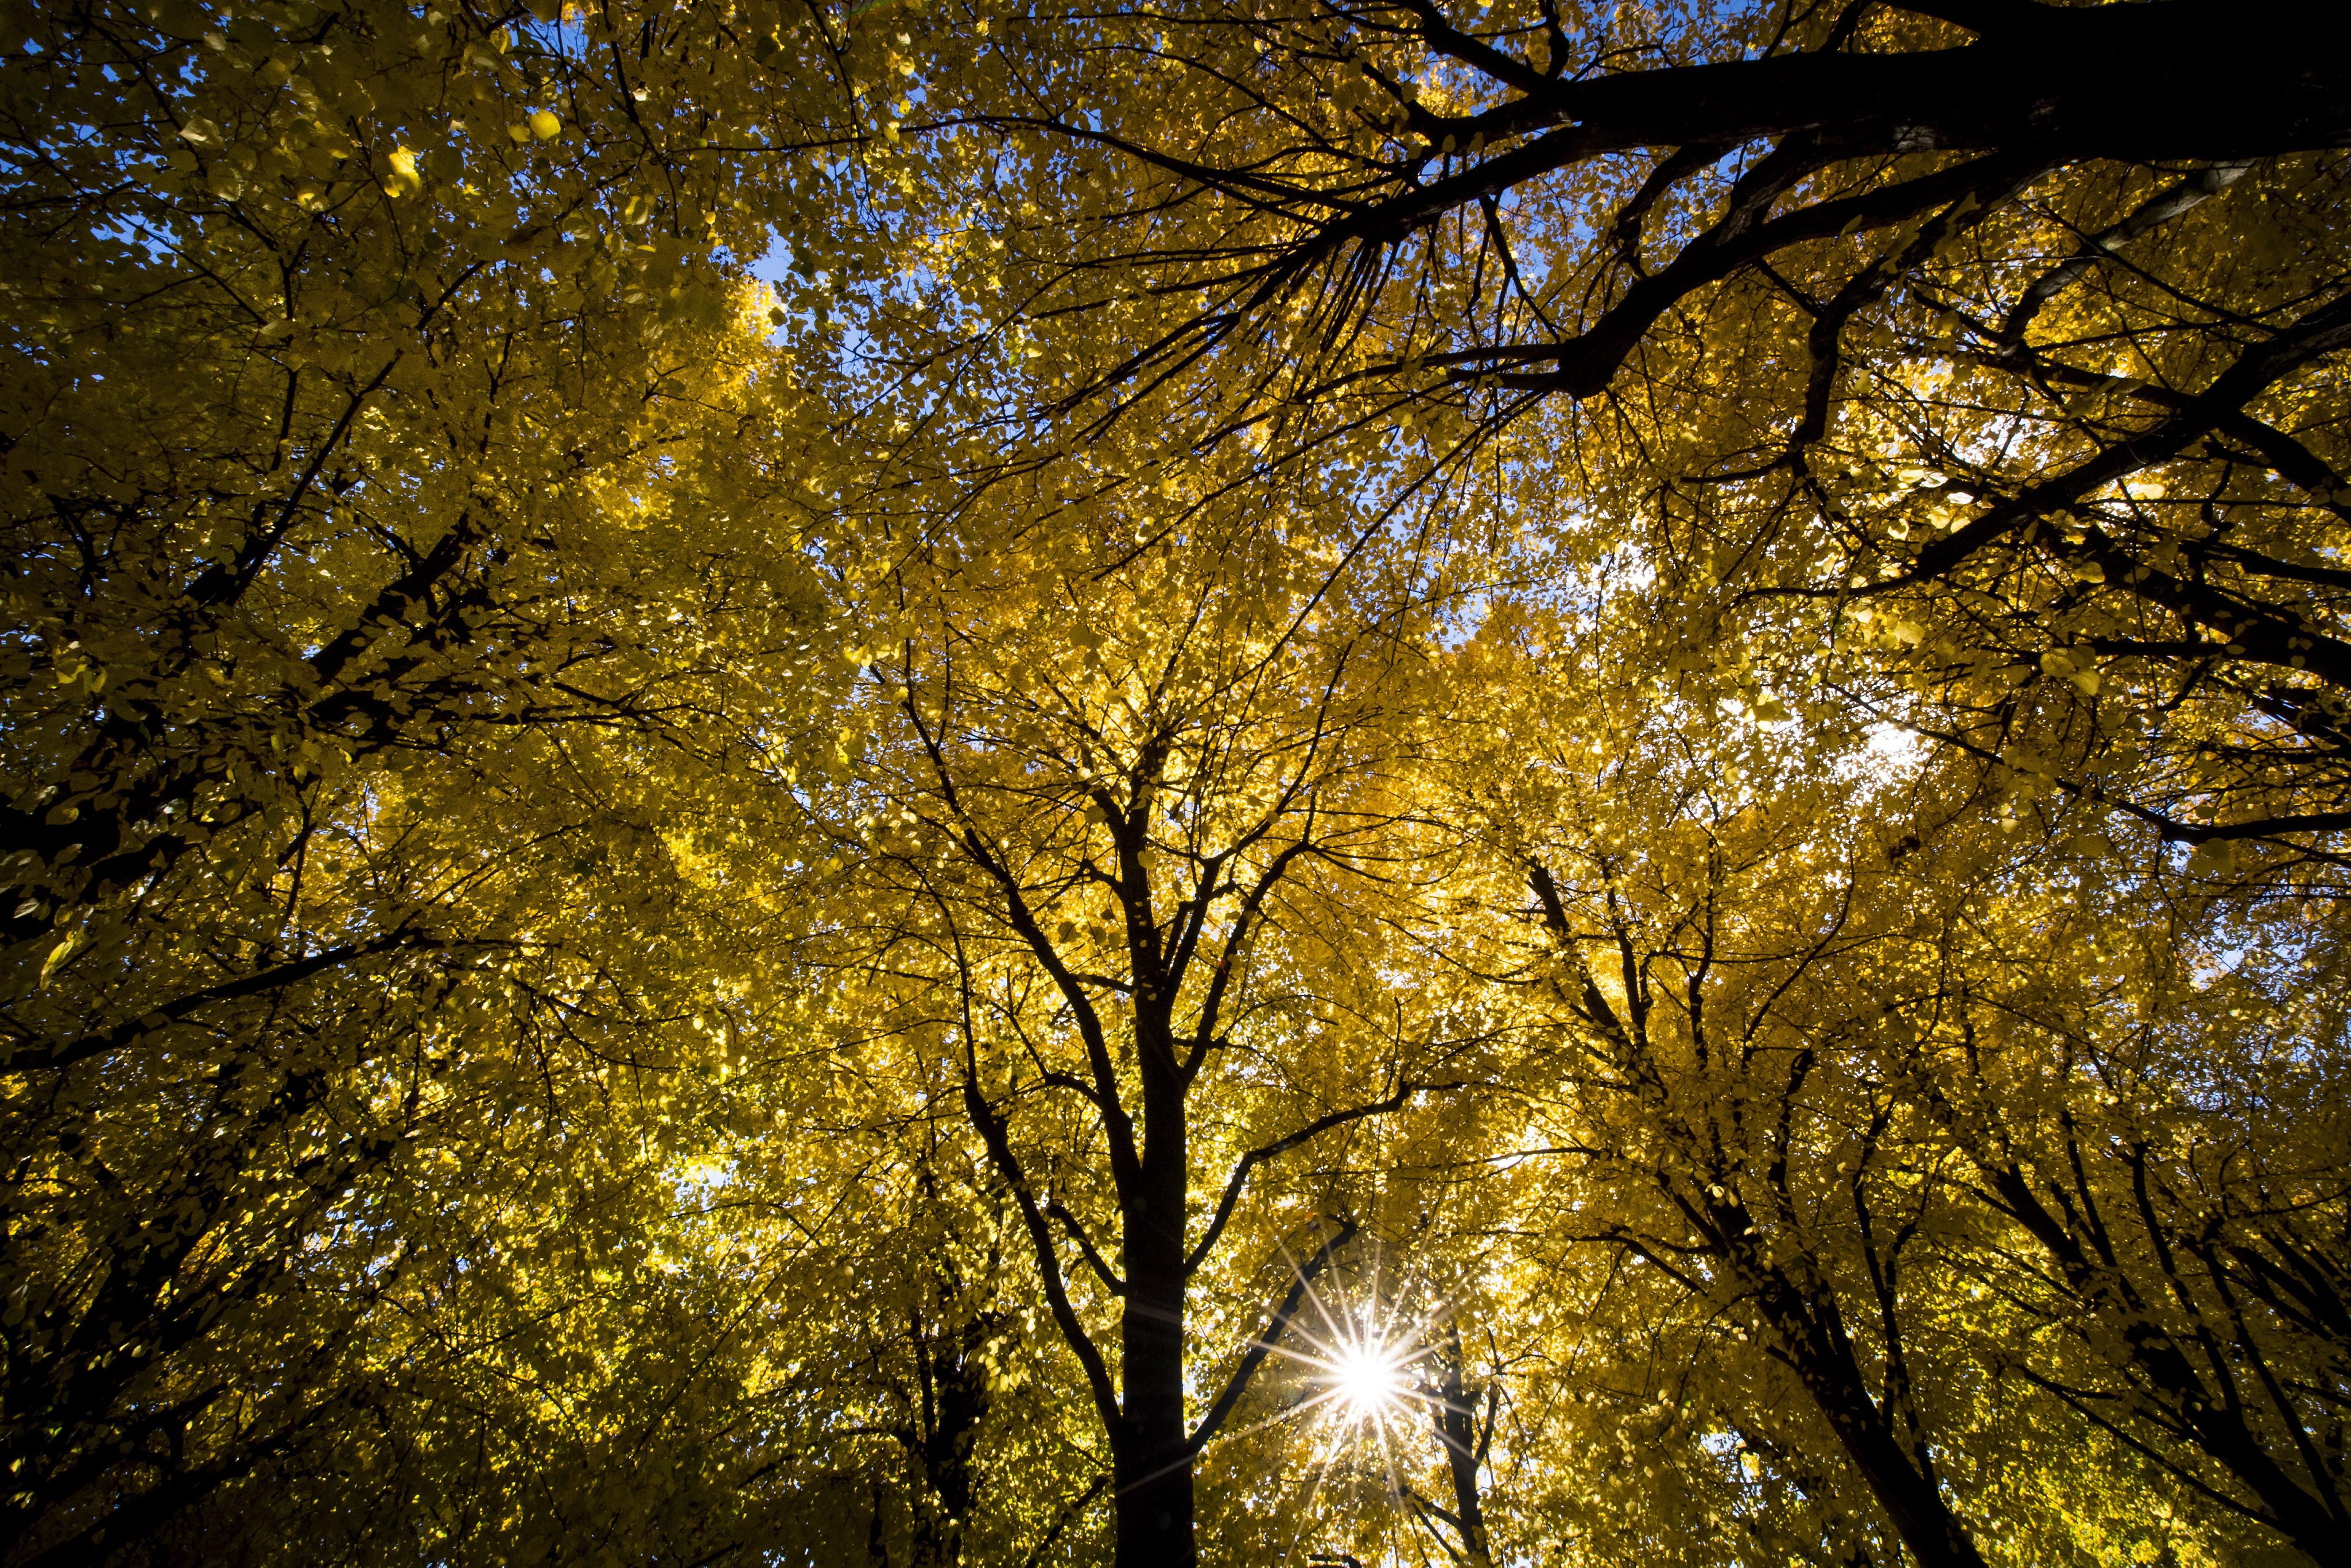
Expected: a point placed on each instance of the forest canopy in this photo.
(1399, 782)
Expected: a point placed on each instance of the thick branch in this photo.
(1406, 1090)
(1238, 1382)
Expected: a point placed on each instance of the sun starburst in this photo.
(1368, 1374)
(1365, 1355)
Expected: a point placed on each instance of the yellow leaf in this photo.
(58, 954)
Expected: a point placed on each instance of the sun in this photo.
(1368, 1377)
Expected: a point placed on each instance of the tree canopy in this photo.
(1400, 782)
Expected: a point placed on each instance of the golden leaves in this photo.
(404, 176)
(678, 679)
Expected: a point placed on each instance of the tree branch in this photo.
(1239, 1380)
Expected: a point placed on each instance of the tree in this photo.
(1706, 981)
(1129, 858)
(807, 785)
(2164, 1140)
(1814, 1016)
(365, 491)
(911, 1410)
(2020, 320)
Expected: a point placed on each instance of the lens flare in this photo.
(1363, 1362)
(1368, 1377)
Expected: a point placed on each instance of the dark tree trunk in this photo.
(954, 1402)
(2175, 78)
(1465, 1454)
(1153, 1451)
(1812, 1335)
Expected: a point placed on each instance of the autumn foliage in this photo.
(1403, 782)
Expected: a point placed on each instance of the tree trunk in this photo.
(1153, 1501)
(1152, 1453)
(1465, 1447)
(955, 1401)
(1812, 1334)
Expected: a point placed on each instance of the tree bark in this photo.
(1152, 1454)
(1812, 1336)
(2175, 78)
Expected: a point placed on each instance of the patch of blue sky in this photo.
(561, 37)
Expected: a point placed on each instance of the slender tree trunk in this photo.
(1456, 1423)
(1152, 1454)
(954, 1402)
(1812, 1334)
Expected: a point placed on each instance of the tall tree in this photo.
(2153, 1115)
(1815, 1005)
(1133, 854)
